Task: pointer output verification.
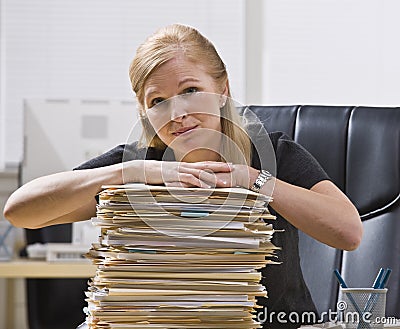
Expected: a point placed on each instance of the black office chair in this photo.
(359, 147)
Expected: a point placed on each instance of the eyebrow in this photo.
(187, 80)
(180, 83)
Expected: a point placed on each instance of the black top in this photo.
(286, 288)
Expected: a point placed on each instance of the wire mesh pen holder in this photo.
(363, 308)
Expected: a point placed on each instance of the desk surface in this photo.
(21, 268)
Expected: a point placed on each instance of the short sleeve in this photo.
(118, 154)
(295, 165)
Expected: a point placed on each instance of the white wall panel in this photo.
(331, 52)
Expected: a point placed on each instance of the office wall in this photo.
(331, 52)
(82, 49)
(310, 51)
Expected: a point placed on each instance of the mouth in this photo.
(184, 130)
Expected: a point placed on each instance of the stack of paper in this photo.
(178, 257)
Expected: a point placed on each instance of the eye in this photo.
(190, 90)
(156, 101)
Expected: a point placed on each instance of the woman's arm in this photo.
(59, 198)
(70, 196)
(323, 212)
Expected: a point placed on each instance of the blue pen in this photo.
(372, 297)
(385, 278)
(340, 279)
(372, 303)
(378, 279)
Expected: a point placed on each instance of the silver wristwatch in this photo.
(262, 178)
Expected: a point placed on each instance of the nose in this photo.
(177, 109)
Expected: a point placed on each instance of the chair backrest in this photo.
(359, 147)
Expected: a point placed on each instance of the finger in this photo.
(211, 165)
(208, 177)
(178, 184)
(224, 183)
(217, 166)
(188, 178)
(189, 174)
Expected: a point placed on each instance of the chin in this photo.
(194, 148)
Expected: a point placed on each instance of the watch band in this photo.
(263, 177)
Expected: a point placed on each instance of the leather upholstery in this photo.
(359, 147)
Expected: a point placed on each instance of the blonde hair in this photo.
(163, 46)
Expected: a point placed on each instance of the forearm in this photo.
(323, 213)
(47, 198)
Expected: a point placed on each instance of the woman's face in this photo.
(181, 110)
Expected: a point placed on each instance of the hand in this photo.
(241, 175)
(183, 174)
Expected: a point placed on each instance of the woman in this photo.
(178, 61)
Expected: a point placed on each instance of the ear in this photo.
(226, 89)
(224, 96)
(140, 110)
